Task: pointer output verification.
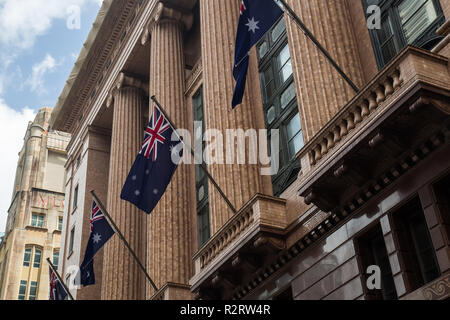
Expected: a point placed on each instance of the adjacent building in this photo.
(363, 177)
(35, 217)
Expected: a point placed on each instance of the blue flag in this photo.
(155, 164)
(256, 18)
(57, 291)
(100, 233)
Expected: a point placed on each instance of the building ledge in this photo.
(173, 291)
(254, 234)
(438, 289)
(380, 134)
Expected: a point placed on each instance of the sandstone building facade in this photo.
(363, 178)
(35, 217)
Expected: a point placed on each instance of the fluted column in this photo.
(122, 279)
(321, 91)
(219, 19)
(169, 225)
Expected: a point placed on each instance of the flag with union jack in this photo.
(101, 232)
(57, 291)
(155, 164)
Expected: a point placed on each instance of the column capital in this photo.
(162, 12)
(123, 80)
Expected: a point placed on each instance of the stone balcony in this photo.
(393, 123)
(240, 247)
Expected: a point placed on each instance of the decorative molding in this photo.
(162, 13)
(123, 81)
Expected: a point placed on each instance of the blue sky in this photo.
(39, 43)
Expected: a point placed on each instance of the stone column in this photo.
(321, 91)
(219, 19)
(169, 226)
(122, 278)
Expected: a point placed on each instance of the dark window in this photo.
(60, 223)
(415, 244)
(33, 290)
(280, 103)
(442, 192)
(27, 257)
(201, 180)
(372, 251)
(75, 198)
(37, 258)
(72, 237)
(405, 22)
(22, 290)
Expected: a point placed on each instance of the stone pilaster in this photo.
(321, 91)
(219, 19)
(122, 278)
(169, 226)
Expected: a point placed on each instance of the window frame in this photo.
(203, 182)
(289, 168)
(22, 283)
(389, 8)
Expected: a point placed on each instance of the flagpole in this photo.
(309, 34)
(59, 278)
(141, 266)
(203, 166)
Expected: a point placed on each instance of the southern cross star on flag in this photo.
(155, 164)
(101, 232)
(256, 18)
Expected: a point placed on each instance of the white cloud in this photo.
(22, 21)
(13, 125)
(39, 71)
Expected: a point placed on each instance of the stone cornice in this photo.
(162, 13)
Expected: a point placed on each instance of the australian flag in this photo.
(155, 164)
(57, 291)
(256, 18)
(100, 233)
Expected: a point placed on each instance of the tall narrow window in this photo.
(201, 180)
(72, 237)
(415, 243)
(56, 258)
(405, 22)
(22, 290)
(60, 223)
(372, 251)
(280, 103)
(27, 257)
(37, 258)
(33, 290)
(75, 198)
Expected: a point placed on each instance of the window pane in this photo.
(296, 144)
(60, 222)
(56, 259)
(284, 56)
(278, 30)
(37, 259)
(27, 257)
(268, 84)
(72, 236)
(33, 290)
(262, 49)
(40, 223)
(414, 19)
(386, 32)
(34, 220)
(288, 95)
(388, 50)
(294, 126)
(22, 290)
(271, 115)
